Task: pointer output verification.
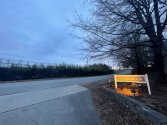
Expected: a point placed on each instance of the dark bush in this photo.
(15, 72)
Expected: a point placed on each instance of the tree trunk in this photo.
(138, 64)
(159, 61)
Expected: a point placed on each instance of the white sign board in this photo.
(132, 78)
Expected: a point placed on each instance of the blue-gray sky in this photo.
(38, 30)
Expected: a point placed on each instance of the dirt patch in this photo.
(158, 100)
(111, 111)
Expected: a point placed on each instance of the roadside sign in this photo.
(132, 78)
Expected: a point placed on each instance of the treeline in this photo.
(15, 72)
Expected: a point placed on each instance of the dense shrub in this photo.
(15, 72)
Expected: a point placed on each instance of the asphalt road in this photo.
(69, 105)
(48, 102)
(19, 87)
(51, 102)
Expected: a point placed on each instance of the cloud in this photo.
(37, 30)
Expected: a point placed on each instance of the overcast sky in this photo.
(38, 30)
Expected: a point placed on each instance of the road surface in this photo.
(19, 87)
(49, 102)
(69, 105)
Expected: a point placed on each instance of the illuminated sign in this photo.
(132, 78)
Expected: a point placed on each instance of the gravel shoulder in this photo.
(110, 111)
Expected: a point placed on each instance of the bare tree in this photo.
(113, 21)
(135, 53)
(123, 45)
(150, 15)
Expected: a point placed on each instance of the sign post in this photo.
(148, 84)
(115, 77)
(132, 78)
